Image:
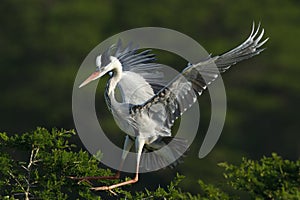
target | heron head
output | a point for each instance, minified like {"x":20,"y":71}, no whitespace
{"x":104,"y":64}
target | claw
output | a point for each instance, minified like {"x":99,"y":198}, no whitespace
{"x":85,"y":180}
{"x":104,"y":188}
{"x":72,"y":177}
{"x":80,"y":179}
{"x":113,"y":192}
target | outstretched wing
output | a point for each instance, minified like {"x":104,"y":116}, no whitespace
{"x":179,"y":94}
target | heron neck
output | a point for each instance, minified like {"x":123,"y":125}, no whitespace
{"x":117,"y":75}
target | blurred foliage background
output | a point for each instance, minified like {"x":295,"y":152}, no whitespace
{"x":43,"y":43}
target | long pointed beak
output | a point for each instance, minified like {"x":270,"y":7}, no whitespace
{"x":91,"y":78}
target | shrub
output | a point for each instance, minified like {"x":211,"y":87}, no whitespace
{"x":50,"y":158}
{"x":269,"y":178}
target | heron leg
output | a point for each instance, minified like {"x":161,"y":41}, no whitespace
{"x":139,"y":144}
{"x":127,"y":146}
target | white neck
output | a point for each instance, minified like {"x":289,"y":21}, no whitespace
{"x":117,"y":75}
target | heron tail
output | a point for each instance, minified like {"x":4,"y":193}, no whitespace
{"x":166,"y":151}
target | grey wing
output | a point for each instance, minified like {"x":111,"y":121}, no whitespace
{"x":203,"y":73}
{"x":179,"y":95}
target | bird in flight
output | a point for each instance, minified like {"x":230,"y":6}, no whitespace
{"x":149,"y":107}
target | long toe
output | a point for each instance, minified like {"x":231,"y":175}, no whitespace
{"x":100,"y":188}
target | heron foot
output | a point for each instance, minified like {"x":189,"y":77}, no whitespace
{"x":100,"y":188}
{"x":80,"y":179}
{"x":115,"y":185}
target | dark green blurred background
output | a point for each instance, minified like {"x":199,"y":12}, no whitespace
{"x":43,"y":42}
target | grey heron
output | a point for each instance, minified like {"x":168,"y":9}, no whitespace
{"x":149,"y":107}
